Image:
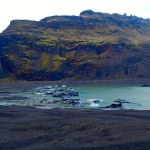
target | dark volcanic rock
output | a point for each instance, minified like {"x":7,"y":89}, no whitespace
{"x":146,"y":85}
{"x":37,"y":129}
{"x":93,"y":45}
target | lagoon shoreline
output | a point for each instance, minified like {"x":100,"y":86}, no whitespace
{"x":39,"y":129}
{"x":78,"y":82}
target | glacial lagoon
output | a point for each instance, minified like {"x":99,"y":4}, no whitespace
{"x":24,"y":94}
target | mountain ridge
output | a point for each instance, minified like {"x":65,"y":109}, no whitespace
{"x":90,"y":46}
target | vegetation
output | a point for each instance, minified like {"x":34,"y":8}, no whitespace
{"x":92,"y":45}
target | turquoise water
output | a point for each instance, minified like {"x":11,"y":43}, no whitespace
{"x":135,"y":94}
{"x":28,"y":96}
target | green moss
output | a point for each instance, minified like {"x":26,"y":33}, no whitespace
{"x":57,"y":62}
{"x":58,"y":58}
{"x":56,"y":65}
{"x":24,"y":47}
{"x":45,"y":60}
{"x":10,"y":56}
{"x":26,"y":66}
{"x":38,"y":46}
{"x":70,"y":55}
{"x":31,"y":53}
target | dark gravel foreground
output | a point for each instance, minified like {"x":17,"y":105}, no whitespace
{"x":27,"y":128}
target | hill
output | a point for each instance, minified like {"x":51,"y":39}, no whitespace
{"x":90,"y":46}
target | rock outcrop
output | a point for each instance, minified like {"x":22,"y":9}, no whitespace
{"x":90,"y":46}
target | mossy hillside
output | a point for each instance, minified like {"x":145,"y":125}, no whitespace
{"x":96,"y":27}
{"x":45,"y":61}
{"x":82,"y":61}
{"x":2,"y":74}
{"x":16,"y":65}
{"x":92,"y":46}
{"x":31,"y":54}
{"x":82,"y":64}
{"x":57,"y":62}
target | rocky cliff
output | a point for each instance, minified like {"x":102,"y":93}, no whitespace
{"x":90,"y":46}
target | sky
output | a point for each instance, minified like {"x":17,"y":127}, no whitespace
{"x":38,"y":9}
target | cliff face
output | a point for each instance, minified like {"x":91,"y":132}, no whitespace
{"x":90,"y":46}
